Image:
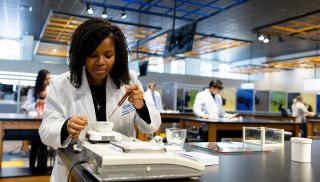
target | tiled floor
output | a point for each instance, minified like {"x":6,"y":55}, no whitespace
{"x":13,"y":155}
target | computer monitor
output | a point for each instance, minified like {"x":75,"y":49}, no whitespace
{"x":180,"y":40}
{"x":143,"y":67}
{"x":6,"y":88}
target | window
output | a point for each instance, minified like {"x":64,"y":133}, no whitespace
{"x":206,"y":69}
{"x":178,"y":67}
{"x":10,"y":49}
{"x":156,"y":64}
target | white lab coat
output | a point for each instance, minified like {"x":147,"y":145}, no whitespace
{"x":293,"y":109}
{"x":205,"y":104}
{"x":65,"y":101}
{"x":157,"y":99}
{"x":300,"y":111}
{"x":30,"y":103}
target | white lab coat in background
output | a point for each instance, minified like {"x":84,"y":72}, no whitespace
{"x":293,"y":108}
{"x":30,"y":103}
{"x":65,"y":101}
{"x":205,"y":104}
{"x":300,"y":111}
{"x":157,"y":99}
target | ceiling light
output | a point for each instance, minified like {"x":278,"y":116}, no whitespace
{"x":266,"y":40}
{"x":104,"y":14}
{"x":89,"y":9}
{"x":260,"y":37}
{"x":123,"y":14}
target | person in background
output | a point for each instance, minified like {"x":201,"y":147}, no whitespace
{"x":98,"y":78}
{"x":208,"y":103}
{"x":310,"y":109}
{"x":35,"y":102}
{"x":186,"y":99}
{"x":36,"y":96}
{"x":153,"y":96}
{"x":293,"y":106}
{"x":301,"y":112}
{"x":283,"y":110}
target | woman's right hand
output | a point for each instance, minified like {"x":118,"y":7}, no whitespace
{"x":76,"y":124}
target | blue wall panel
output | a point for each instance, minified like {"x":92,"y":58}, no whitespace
{"x":245,"y":100}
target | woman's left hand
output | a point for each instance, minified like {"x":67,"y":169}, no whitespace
{"x":135,"y":96}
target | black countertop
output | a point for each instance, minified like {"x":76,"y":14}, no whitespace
{"x":246,"y":120}
{"x":263,"y":167}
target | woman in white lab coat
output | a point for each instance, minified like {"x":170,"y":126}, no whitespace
{"x":35,"y":104}
{"x":36,"y":96}
{"x":208,"y":103}
{"x":301,"y":111}
{"x":97,"y":80}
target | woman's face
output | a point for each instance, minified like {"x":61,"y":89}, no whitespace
{"x":47,"y":80}
{"x":99,"y":64}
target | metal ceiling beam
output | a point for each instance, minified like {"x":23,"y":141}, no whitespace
{"x":150,"y":6}
{"x":230,"y":38}
{"x":142,"y":41}
{"x":116,"y":7}
{"x":197,"y":9}
{"x":233,"y":4}
{"x":200,"y":4}
{"x":178,"y":5}
{"x":255,"y":30}
{"x":166,"y":7}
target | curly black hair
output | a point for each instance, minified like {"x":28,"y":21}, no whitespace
{"x":86,"y":38}
{"x":39,"y":86}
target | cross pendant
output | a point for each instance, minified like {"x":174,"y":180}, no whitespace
{"x":98,"y":107}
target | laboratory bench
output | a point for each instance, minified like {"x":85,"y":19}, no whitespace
{"x":313,"y":127}
{"x":236,"y":125}
{"x":18,"y":127}
{"x":275,"y":166}
{"x":226,"y":125}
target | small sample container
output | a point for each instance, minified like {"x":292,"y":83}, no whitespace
{"x":301,"y":149}
{"x":265,"y":137}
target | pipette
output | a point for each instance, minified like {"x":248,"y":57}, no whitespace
{"x":119,"y":104}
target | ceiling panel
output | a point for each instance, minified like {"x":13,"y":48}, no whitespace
{"x":60,"y":27}
{"x":236,"y":22}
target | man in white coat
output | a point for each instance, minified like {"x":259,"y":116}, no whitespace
{"x":208,"y":103}
{"x":98,"y":79}
{"x":153,"y":96}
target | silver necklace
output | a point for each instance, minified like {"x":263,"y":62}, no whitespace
{"x":98,"y":103}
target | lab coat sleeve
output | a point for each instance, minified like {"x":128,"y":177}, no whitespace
{"x":198,"y":105}
{"x":53,"y":120}
{"x":160,"y":102}
{"x":221,"y":111}
{"x":154,"y":114}
{"x":30,"y":104}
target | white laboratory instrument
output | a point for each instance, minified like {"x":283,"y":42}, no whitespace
{"x":108,"y":162}
{"x":98,"y":136}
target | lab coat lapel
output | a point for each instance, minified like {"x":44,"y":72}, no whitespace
{"x":84,"y":94}
{"x":211,"y":103}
